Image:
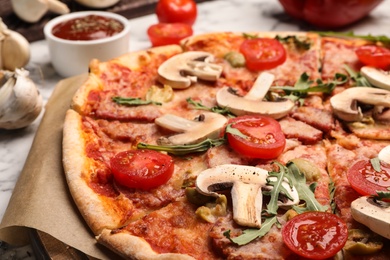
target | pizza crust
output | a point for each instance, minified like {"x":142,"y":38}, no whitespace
{"x":134,"y":247}
{"x":75,"y":161}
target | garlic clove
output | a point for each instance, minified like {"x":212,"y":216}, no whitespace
{"x":14,"y":49}
{"x":33,"y":10}
{"x":97,"y":3}
{"x":20,"y":100}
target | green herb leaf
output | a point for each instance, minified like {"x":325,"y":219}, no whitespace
{"x":360,"y":81}
{"x":303,"y":44}
{"x":184,"y":149}
{"x":216,"y":109}
{"x":251,"y":234}
{"x":380,"y":38}
{"x":129,"y":101}
{"x":376,"y":164}
{"x":382,"y":195}
{"x":234,"y":131}
{"x":305,"y":193}
{"x":250,"y":36}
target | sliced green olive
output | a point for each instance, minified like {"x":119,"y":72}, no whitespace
{"x":211,"y":211}
{"x":309,"y":169}
{"x":236,"y":59}
{"x":361,"y":242}
{"x":196,"y":198}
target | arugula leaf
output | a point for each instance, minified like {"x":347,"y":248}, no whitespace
{"x":360,"y":80}
{"x":235,"y":131}
{"x":380,"y":38}
{"x":250,"y":36}
{"x":299,"y":44}
{"x":305,"y":193}
{"x":251,"y":234}
{"x":382,"y":195}
{"x":332,"y":190}
{"x":130,"y":101}
{"x":184,"y":149}
{"x":216,"y":109}
{"x":376,"y":164}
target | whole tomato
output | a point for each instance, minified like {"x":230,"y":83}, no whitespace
{"x":176,"y":11}
{"x":329,"y":13}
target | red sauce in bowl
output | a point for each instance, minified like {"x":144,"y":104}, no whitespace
{"x":90,"y":27}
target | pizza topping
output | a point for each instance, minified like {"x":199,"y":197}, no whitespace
{"x":212,"y":210}
{"x":367,"y":177}
{"x":375,"y":56}
{"x":263,"y":53}
{"x":182,"y":69}
{"x":241,"y":106}
{"x":235,"y":59}
{"x":159,"y":95}
{"x":384,"y":154}
{"x":376,"y":77}
{"x":362,"y":242}
{"x":374,"y":215}
{"x":315,"y":235}
{"x":246,"y":183}
{"x":130,"y":101}
{"x":206,"y":125}
{"x":256,"y":136}
{"x":142,"y":169}
{"x":345,"y":104}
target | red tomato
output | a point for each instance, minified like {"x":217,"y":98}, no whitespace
{"x":176,"y":11}
{"x":365,"y":180}
{"x":263,"y":53}
{"x":168,"y":33}
{"x":374,"y":56}
{"x":265,"y":137}
{"x":329,"y":13}
{"x":142,"y":169}
{"x":315,"y":234}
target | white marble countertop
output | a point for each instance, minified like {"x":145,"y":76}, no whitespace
{"x":228,"y":15}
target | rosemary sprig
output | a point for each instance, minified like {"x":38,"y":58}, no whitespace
{"x":184,"y":149}
{"x":130,"y":101}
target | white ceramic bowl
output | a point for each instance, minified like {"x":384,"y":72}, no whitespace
{"x":72,"y":57}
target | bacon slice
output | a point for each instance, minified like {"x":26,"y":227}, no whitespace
{"x":303,"y":132}
{"x":318,"y":118}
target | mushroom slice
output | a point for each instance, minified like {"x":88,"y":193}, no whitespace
{"x":243,"y":106}
{"x":384,"y":154}
{"x":260,"y":87}
{"x":206,"y":125}
{"x":372,"y":214}
{"x":377,"y":77}
{"x":246,"y":183}
{"x":182,"y":69}
{"x":345,"y":104}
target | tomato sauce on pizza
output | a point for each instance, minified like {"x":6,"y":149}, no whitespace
{"x":232,"y":146}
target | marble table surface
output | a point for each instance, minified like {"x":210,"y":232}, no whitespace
{"x":227,"y":15}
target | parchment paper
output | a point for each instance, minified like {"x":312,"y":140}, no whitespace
{"x":41,"y":199}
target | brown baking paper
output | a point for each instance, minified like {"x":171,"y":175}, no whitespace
{"x":41,"y":199}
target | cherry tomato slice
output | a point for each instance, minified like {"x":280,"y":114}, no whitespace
{"x":142,"y":169}
{"x":265,"y":139}
{"x":375,"y":56}
{"x":315,"y":234}
{"x":168,"y":33}
{"x":176,"y":11}
{"x":365,"y":180}
{"x":263,"y":53}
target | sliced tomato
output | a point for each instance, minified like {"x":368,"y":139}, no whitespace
{"x":315,"y":234}
{"x":375,"y":56}
{"x":176,"y":11}
{"x":263,"y":53}
{"x":142,"y":169}
{"x":365,"y":180}
{"x":264,"y":137}
{"x":168,"y":33}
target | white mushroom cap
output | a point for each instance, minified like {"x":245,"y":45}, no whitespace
{"x":243,"y":106}
{"x":373,"y":215}
{"x":384,"y":154}
{"x":345,"y":105}
{"x":376,"y":77}
{"x":182,"y":69}
{"x":191,"y":131}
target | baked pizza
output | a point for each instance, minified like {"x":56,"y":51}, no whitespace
{"x":270,"y":145}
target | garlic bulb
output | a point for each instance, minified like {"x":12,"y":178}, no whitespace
{"x":20,"y":101}
{"x":14,"y":49}
{"x":33,"y":10}
{"x":97,"y":3}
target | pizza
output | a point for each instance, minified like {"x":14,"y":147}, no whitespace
{"x":258,"y":145}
